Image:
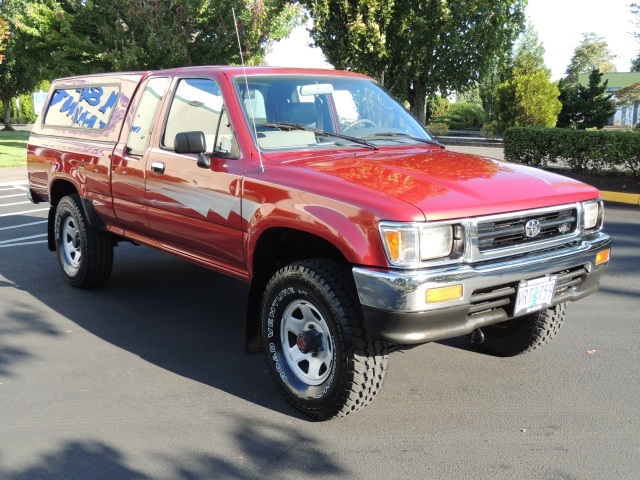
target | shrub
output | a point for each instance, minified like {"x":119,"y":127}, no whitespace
{"x":489,"y":130}
{"x":438,"y":129}
{"x":25,"y":113}
{"x":453,"y":122}
{"x":472,"y":114}
{"x":591,"y":151}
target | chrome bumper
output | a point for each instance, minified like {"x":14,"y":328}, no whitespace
{"x":394,"y":300}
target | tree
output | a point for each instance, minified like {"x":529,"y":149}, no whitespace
{"x":4,"y":35}
{"x":592,"y":53}
{"x":628,"y":95}
{"x":528,"y":97}
{"x":16,"y":72}
{"x":80,"y":36}
{"x":571,"y":105}
{"x":586,"y":106}
{"x":416,"y":48}
{"x":635,"y":10}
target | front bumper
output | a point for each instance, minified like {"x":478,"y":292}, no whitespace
{"x":394,"y":303}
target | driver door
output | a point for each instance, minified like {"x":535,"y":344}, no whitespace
{"x":192,"y":209}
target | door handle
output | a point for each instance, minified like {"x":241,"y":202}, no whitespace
{"x":157,"y":167}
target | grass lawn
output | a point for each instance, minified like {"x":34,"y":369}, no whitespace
{"x":13,"y":148}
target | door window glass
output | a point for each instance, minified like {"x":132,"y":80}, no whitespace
{"x":145,"y":114}
{"x":196,"y":107}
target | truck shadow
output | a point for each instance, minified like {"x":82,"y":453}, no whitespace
{"x":181,"y":317}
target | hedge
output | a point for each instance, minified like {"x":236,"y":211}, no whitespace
{"x":454,"y":123}
{"x":594,"y":151}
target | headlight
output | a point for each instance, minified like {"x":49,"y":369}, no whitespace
{"x":593,"y":212}
{"x":409,"y":244}
{"x":436,"y":242}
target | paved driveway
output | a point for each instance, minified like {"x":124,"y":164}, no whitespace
{"x":146,"y":378}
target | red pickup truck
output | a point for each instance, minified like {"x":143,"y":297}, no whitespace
{"x":358,"y":232}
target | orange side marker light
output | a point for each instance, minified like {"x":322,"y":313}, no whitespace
{"x":603,"y":256}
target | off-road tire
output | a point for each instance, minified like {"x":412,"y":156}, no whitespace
{"x":85,"y":254}
{"x":349,"y":368}
{"x":524,"y":334}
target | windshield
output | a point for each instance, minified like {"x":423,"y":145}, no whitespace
{"x":353,"y":108}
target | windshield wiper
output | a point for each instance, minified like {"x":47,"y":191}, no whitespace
{"x":298,"y":126}
{"x":405,"y":135}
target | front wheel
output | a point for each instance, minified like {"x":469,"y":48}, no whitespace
{"x":524,"y":334}
{"x":315,"y":343}
{"x":85,"y":254}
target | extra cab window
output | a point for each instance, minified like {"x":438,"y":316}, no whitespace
{"x":88,"y":107}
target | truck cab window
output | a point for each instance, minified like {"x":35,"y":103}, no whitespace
{"x":196,"y":106}
{"x":143,"y":120}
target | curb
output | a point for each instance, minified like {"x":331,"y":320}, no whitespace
{"x":617,"y":197}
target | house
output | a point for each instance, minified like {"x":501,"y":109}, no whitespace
{"x":627,"y":115}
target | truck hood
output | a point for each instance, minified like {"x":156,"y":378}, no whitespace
{"x":446,"y":185}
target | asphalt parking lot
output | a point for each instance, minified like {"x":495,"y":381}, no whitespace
{"x":146,"y":378}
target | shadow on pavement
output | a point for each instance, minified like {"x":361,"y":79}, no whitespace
{"x":181,"y":317}
{"x":263,"y":450}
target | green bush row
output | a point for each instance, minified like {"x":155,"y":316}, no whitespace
{"x":593,"y":151}
{"x":453,"y":122}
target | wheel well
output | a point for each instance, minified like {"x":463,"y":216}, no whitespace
{"x":280,"y":246}
{"x":276,"y":248}
{"x":59,"y":189}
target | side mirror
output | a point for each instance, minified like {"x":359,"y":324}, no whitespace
{"x":193,"y":142}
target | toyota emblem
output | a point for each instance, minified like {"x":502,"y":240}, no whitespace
{"x":532,"y":228}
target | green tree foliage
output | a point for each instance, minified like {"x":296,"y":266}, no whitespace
{"x":586,"y":106}
{"x":4,"y":35}
{"x":416,"y":48}
{"x":16,"y":72}
{"x":628,"y":95}
{"x":437,"y":106}
{"x":592,"y":53}
{"x":489,"y":85}
{"x":635,"y":11}
{"x":471,"y":95}
{"x":86,"y":36}
{"x":528,"y":97}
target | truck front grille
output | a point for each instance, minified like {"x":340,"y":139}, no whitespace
{"x":511,"y":232}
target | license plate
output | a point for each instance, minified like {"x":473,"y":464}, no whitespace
{"x":534,"y":295}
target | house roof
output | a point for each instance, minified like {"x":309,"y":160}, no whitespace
{"x":617,"y":80}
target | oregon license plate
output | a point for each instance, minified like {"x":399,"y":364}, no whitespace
{"x":535,"y":294}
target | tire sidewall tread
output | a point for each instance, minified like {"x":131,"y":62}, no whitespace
{"x":359,"y":364}
{"x":96,"y":260}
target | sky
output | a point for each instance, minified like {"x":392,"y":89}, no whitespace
{"x":559,"y":23}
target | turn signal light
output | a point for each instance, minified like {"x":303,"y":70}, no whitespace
{"x":603,"y":256}
{"x":443,"y":294}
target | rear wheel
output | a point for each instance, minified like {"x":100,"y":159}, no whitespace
{"x":316,"y":347}
{"x":524,"y":334}
{"x":85,"y":254}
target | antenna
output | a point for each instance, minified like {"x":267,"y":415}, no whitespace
{"x":246,"y":82}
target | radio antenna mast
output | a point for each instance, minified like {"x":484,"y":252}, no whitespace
{"x":246,"y":83}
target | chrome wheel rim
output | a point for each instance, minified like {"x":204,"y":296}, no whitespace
{"x":71,"y":246}
{"x":313,"y":368}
